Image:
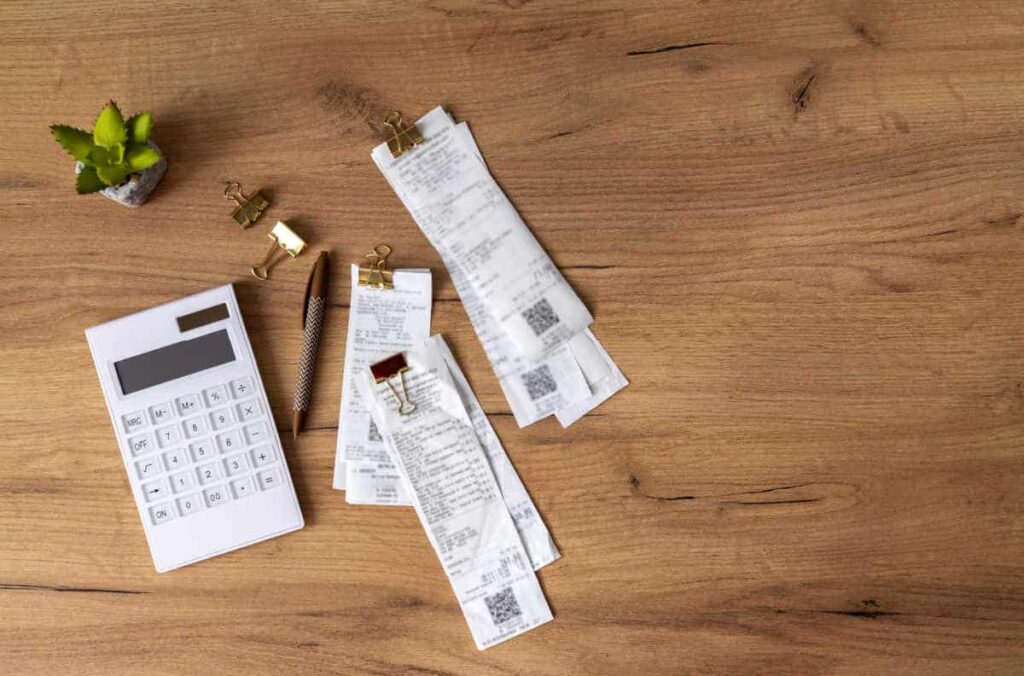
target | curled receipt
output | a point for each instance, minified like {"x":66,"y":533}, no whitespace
{"x":466,"y":512}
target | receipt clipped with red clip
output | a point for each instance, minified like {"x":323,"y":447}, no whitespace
{"x":468,"y":497}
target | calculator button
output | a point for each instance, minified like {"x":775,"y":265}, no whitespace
{"x":202,"y":449}
{"x":208,"y":473}
{"x":269,"y":478}
{"x":221,"y":418}
{"x":242,"y":487}
{"x":256,"y":433}
{"x":242,"y":387}
{"x":229,"y":441}
{"x":161,"y":413}
{"x":175,"y":459}
{"x":194,"y":427}
{"x":141,"y":444}
{"x":264,"y":455}
{"x":248,"y":410}
{"x":133,"y":422}
{"x":168,"y":436}
{"x":235,"y":464}
{"x":182,"y":481}
{"x":215,"y":496}
{"x":189,"y":504}
{"x":215,"y":396}
{"x":147,"y":469}
{"x":188,"y":404}
{"x":154,"y":490}
{"x":161,"y":513}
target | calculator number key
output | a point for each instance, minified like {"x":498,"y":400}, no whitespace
{"x":249,"y":410}
{"x":235,"y":464}
{"x":269,"y":478}
{"x":133,"y":422}
{"x":202,"y":449}
{"x":242,"y":387}
{"x":175,"y":459}
{"x":189,"y":504}
{"x":215,"y":396}
{"x":141,"y":444}
{"x":168,"y":436}
{"x":188,"y":404}
{"x":182,"y":481}
{"x":208,"y":474}
{"x":161,"y":513}
{"x":221,"y":418}
{"x":242,"y":488}
{"x":216,"y":496}
{"x":264,"y":455}
{"x":194,"y":427}
{"x":161,"y":413}
{"x":256,"y":433}
{"x":147,"y":469}
{"x":229,"y":441}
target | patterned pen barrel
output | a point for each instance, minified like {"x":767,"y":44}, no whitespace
{"x":312,"y":321}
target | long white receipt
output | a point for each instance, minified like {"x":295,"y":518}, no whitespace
{"x":530,"y":322}
{"x":458,"y":500}
{"x":381,"y":322}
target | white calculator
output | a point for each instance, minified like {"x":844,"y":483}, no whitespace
{"x":196,"y":434}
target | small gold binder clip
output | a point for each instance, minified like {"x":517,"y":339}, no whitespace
{"x":374,"y":272}
{"x":403,"y":136}
{"x":386,"y":369}
{"x":286,"y":242}
{"x":249,"y":209}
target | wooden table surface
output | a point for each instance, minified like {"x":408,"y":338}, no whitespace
{"x":798,"y":226}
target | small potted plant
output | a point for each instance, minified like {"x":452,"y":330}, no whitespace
{"x":117,"y":160}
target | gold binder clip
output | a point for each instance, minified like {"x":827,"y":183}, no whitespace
{"x":386,"y":369}
{"x":249,"y":209}
{"x":374,"y":272}
{"x":286,"y":242}
{"x":403,"y":136}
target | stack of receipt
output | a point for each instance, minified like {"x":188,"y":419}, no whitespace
{"x":473,"y":506}
{"x":533,"y":327}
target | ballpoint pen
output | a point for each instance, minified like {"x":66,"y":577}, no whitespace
{"x":313,"y":316}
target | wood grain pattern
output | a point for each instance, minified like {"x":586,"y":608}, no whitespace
{"x":798,"y":224}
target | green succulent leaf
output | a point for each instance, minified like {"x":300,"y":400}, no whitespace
{"x":88,"y":181}
{"x":141,"y":157}
{"x":78,"y":143}
{"x":98,"y":157}
{"x":139,"y":126}
{"x":113,"y":175}
{"x":109,"y":129}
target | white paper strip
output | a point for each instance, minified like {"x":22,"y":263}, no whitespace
{"x":447,"y":189}
{"x":458,"y":499}
{"x":381,"y":322}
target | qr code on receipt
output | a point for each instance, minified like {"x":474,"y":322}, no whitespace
{"x":539,"y":382}
{"x":541,"y":316}
{"x":503,"y":606}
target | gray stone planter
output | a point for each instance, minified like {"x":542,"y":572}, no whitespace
{"x":136,"y":190}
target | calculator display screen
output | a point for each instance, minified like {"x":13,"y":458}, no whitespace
{"x":174,"y":361}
